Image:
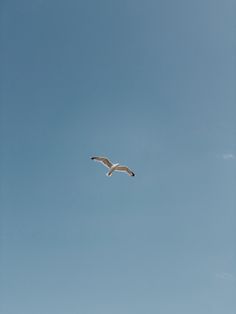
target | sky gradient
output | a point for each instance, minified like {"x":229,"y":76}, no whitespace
{"x":150,"y":84}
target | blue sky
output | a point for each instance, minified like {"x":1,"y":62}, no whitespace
{"x":150,"y":84}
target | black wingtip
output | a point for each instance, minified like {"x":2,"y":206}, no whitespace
{"x":92,"y":158}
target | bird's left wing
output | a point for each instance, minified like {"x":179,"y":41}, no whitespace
{"x":104,"y":160}
{"x":125,"y":169}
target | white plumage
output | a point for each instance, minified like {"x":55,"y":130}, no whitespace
{"x":113,"y":167}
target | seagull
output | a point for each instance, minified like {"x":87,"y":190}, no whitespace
{"x":113,"y":167}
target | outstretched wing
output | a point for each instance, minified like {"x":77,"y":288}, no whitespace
{"x":104,"y":160}
{"x":125,"y":169}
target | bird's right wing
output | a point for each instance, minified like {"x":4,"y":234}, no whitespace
{"x":125,"y":169}
{"x":104,"y":160}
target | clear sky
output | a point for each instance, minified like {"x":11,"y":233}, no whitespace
{"x":150,"y":84}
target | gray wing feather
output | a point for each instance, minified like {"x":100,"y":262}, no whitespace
{"x":126,"y":169}
{"x":104,"y":160}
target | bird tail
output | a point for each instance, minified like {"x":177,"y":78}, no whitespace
{"x":109,"y":174}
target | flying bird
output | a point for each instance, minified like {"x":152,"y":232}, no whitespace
{"x":113,"y":167}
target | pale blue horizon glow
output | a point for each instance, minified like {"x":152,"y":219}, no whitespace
{"x":150,"y":84}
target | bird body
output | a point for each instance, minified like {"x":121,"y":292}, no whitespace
{"x":113,"y":167}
